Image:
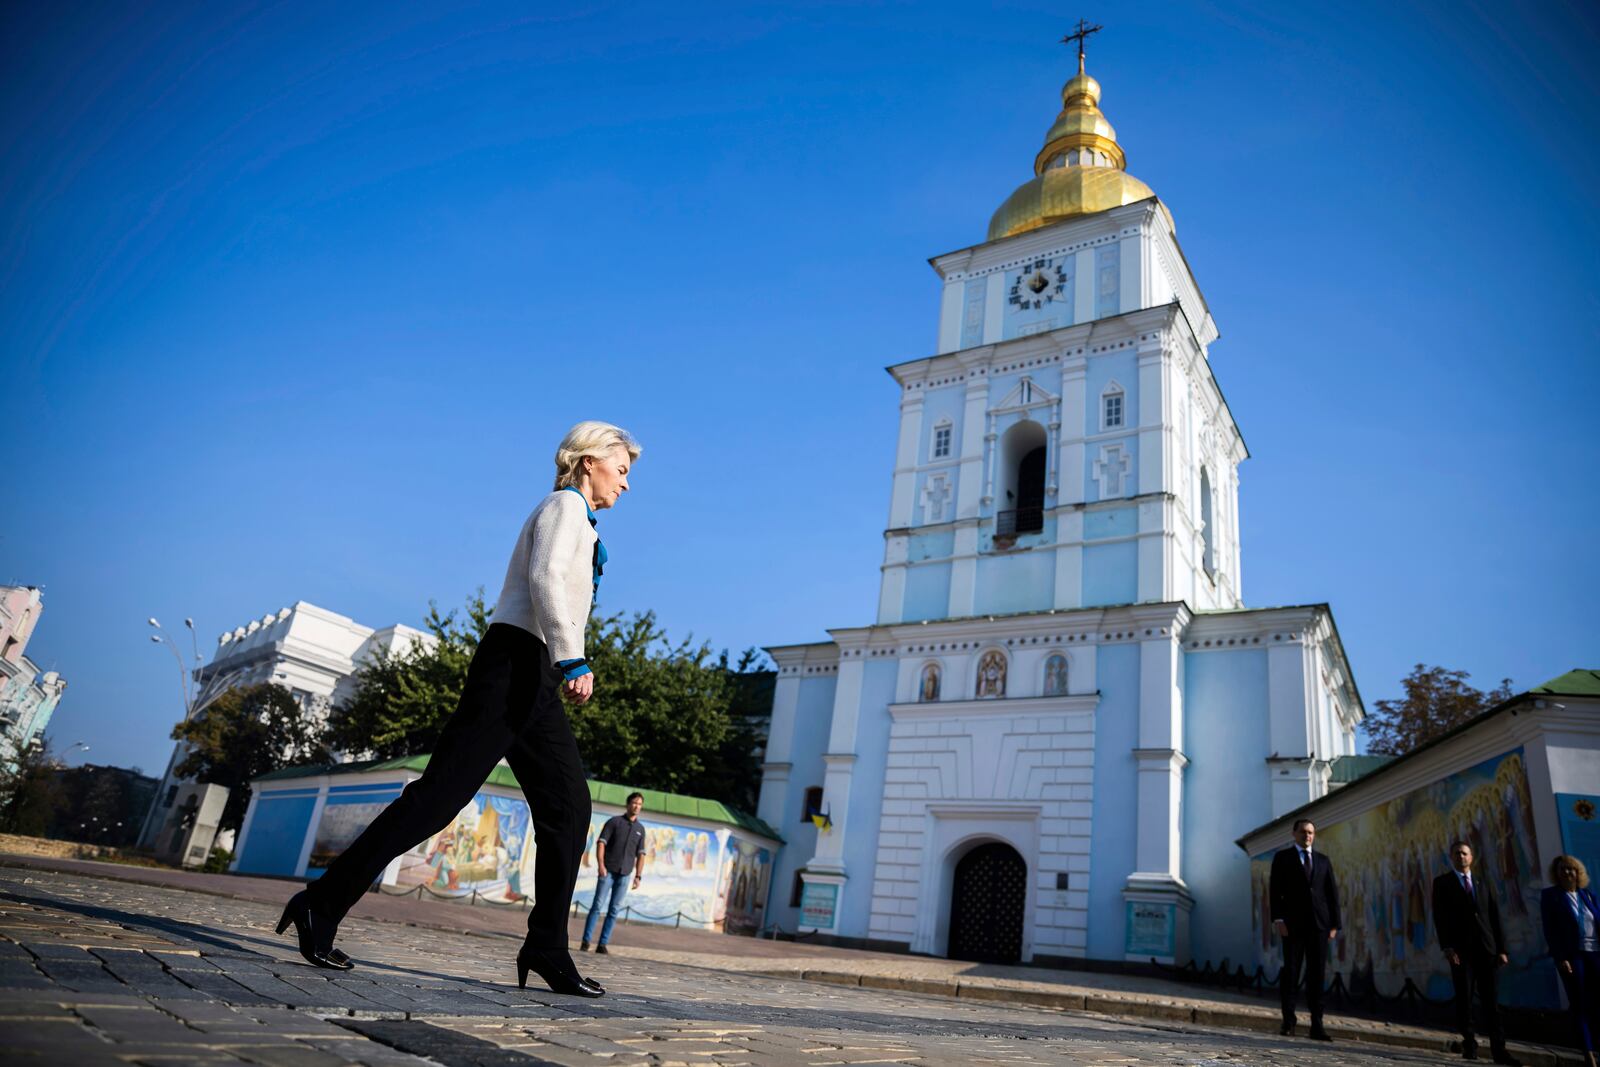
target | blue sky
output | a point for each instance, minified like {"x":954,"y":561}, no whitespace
{"x":295,"y":301}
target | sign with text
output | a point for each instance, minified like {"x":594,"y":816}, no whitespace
{"x":1152,"y":928}
{"x":818,"y":903}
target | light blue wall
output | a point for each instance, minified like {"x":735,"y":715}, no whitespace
{"x":1111,"y":522}
{"x":812,"y":720}
{"x":1110,"y":574}
{"x":927,"y":593}
{"x":1225,"y":794}
{"x":1025,"y":581}
{"x":1116,"y":796}
{"x":277,"y":832}
{"x":866,"y":795}
{"x":938,"y":544}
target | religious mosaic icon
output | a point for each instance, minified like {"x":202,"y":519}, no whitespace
{"x":1055,"y":676}
{"x":930,"y":684}
{"x":1038,"y":284}
{"x":992,"y":674}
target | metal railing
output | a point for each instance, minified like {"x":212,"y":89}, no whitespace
{"x":1017,"y":521}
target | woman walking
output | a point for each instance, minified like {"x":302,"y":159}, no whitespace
{"x":531,"y":655}
{"x":1571,"y":917}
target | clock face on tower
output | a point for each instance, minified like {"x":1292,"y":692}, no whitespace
{"x":1037,"y":284}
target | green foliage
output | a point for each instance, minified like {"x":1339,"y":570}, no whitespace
{"x":29,"y":791}
{"x":1436,"y":702}
{"x":663,"y":716}
{"x":244,"y":733}
{"x":217,"y":862}
{"x":402,"y":700}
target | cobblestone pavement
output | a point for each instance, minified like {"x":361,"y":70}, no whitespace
{"x":93,"y":971}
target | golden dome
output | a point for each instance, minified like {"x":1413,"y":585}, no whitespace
{"x":1078,"y":171}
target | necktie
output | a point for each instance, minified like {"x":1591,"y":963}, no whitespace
{"x":1305,"y":856}
{"x":1466,"y":880}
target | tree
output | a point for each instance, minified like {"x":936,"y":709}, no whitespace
{"x":243,"y":734}
{"x":29,"y":793}
{"x":1436,"y":701}
{"x":402,"y":699}
{"x":664,"y":716}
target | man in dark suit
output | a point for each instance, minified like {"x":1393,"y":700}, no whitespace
{"x":1467,"y":922}
{"x":1305,"y":912}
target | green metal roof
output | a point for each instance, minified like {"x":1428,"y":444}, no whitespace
{"x":601,"y":792}
{"x":1578,"y":683}
{"x":1346,"y":769}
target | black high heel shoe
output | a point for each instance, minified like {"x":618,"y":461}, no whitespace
{"x":555,"y":966}
{"x":315,"y":933}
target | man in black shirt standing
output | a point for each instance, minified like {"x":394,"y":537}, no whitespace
{"x":618,"y":851}
{"x":1305,"y":912}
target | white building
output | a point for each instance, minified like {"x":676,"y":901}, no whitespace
{"x":1063,"y":716}
{"x":28,"y":696}
{"x":311,"y":651}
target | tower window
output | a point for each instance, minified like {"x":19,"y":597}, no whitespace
{"x":813,"y":804}
{"x":1113,"y":418}
{"x":1209,"y":557}
{"x":941,"y":441}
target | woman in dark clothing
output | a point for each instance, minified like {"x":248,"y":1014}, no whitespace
{"x":531,"y":656}
{"x":1571,"y":918}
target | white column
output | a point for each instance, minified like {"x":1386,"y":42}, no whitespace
{"x":907,"y":460}
{"x":771,"y":805}
{"x":1073,"y":415}
{"x":950,"y":316}
{"x":825,"y":871}
{"x":1156,"y":887}
{"x":994,"y":308}
{"x":974,"y":423}
{"x":1069,"y":560}
{"x":1288,"y":720}
{"x":1133,"y":294}
{"x":311,"y":830}
{"x":892,"y":588}
{"x":1083,"y":287}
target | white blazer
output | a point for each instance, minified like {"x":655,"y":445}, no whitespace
{"x":549,"y":586}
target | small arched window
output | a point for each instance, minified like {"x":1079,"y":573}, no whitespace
{"x":1055,"y":676}
{"x":1207,"y":532}
{"x":928,"y":688}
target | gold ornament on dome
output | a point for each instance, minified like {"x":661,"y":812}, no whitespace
{"x":1080,"y":169}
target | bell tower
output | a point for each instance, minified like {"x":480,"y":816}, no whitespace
{"x":1066,"y":445}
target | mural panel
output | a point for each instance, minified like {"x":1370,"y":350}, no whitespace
{"x":343,"y":819}
{"x":487,"y":851}
{"x":1385,"y":861}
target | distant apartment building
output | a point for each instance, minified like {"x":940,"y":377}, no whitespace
{"x":28,"y":696}
{"x":310,"y":651}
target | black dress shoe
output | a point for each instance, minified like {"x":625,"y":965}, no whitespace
{"x":555,"y":966}
{"x":1319,"y":1034}
{"x":601,"y":950}
{"x":583,"y":946}
{"x":315,"y":932}
{"x":1286,"y":1029}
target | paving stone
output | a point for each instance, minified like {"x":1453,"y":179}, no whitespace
{"x":81,"y":977}
{"x":432,"y":1042}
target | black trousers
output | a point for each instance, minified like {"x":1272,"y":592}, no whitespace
{"x":511,"y":708}
{"x":1311,"y":950}
{"x":1478,"y":970}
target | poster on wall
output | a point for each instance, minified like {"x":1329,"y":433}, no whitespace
{"x":343,"y":819}
{"x":818,"y":903}
{"x":486,"y":851}
{"x":1580,"y":828}
{"x":742,"y":890}
{"x":1385,"y":860}
{"x":1152,"y":928}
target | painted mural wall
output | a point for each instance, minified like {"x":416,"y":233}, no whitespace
{"x":1385,"y":861}
{"x":711,"y":878}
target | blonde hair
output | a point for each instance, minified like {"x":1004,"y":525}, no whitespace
{"x":589,"y":438}
{"x":1568,"y":861}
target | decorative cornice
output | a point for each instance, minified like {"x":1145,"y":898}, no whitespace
{"x":1076,"y":704}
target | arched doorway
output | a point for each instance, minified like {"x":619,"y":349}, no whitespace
{"x":986,"y":904}
{"x":1023,"y":454}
